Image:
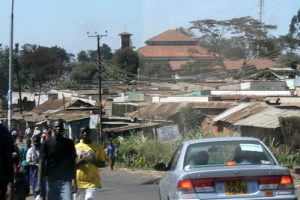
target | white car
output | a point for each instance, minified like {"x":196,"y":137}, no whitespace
{"x":224,"y":168}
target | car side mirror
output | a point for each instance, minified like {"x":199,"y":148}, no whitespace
{"x":160,"y":167}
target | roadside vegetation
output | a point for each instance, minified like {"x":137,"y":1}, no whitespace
{"x":139,"y":151}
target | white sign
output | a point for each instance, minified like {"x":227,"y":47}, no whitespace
{"x":93,"y":121}
{"x":168,"y":133}
{"x":251,"y":147}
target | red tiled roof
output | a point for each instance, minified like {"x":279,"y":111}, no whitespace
{"x":175,"y":51}
{"x":176,"y":65}
{"x":171,"y":35}
{"x":125,"y":33}
{"x":260,"y":63}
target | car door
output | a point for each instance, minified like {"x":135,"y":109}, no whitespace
{"x":168,"y":180}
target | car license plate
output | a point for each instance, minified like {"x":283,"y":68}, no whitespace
{"x":236,"y":187}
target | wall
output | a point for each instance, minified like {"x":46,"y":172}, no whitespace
{"x":252,"y":92}
{"x":262,"y":133}
{"x":268,"y":85}
{"x":30,"y":97}
{"x":292,"y":83}
{"x":219,"y":129}
{"x":256,"y":85}
{"x":180,"y":99}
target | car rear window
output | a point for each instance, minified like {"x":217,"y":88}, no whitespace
{"x":227,"y":153}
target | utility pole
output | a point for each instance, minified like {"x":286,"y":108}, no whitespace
{"x":99,"y":36}
{"x":9,"y":93}
{"x":261,"y":10}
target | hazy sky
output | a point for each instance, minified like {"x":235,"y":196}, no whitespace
{"x":65,"y":23}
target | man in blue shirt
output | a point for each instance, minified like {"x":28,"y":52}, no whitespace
{"x":111,"y":153}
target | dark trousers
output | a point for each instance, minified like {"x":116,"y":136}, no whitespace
{"x":3,"y":189}
{"x":111,"y":162}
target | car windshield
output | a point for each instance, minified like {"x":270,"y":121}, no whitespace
{"x":227,"y":153}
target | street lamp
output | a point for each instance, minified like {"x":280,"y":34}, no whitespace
{"x":99,"y":36}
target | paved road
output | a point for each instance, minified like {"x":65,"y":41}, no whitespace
{"x":129,"y":185}
{"x":123,"y":184}
{"x":134,"y":185}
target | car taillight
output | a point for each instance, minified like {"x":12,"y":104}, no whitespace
{"x":286,"y":180}
{"x":185,"y":185}
{"x":275,"y":182}
{"x":197,"y":185}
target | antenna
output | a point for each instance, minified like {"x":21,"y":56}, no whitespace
{"x":261,"y":10}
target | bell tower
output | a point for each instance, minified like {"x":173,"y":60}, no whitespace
{"x":125,"y":40}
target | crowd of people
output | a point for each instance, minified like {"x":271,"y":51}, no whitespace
{"x":50,"y":165}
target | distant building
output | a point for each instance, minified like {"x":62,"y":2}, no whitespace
{"x":173,"y":49}
{"x":235,"y":67}
{"x":125,"y":40}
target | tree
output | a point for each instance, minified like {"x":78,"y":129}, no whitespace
{"x":83,"y":56}
{"x":289,"y":60}
{"x":84,"y":72}
{"x":190,"y":118}
{"x":126,"y":59}
{"x":157,"y":70}
{"x":185,"y":31}
{"x":250,"y":34}
{"x":106,"y":53}
{"x":231,"y":49}
{"x":39,"y":64}
{"x":4,"y":61}
{"x":211,"y":31}
{"x":246,"y":37}
{"x":292,"y":39}
{"x":290,"y":44}
{"x":61,"y":57}
{"x":92,"y":55}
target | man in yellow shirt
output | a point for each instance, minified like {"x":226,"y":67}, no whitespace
{"x":90,"y":156}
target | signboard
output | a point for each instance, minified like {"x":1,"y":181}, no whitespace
{"x":168,"y":133}
{"x":93,"y":121}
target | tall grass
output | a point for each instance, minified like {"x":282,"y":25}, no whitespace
{"x":140,"y":151}
{"x":284,"y":154}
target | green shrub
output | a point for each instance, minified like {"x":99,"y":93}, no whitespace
{"x":139,"y":151}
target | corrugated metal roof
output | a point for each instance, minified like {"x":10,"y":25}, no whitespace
{"x":213,"y":105}
{"x":162,"y":111}
{"x":158,"y":111}
{"x":70,"y":116}
{"x":241,"y":111}
{"x":130,"y":127}
{"x":56,"y":105}
{"x":268,"y":118}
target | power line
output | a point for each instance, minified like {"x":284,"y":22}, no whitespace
{"x":99,"y":36}
{"x":228,"y":8}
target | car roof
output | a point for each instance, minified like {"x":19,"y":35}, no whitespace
{"x":221,"y":139}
